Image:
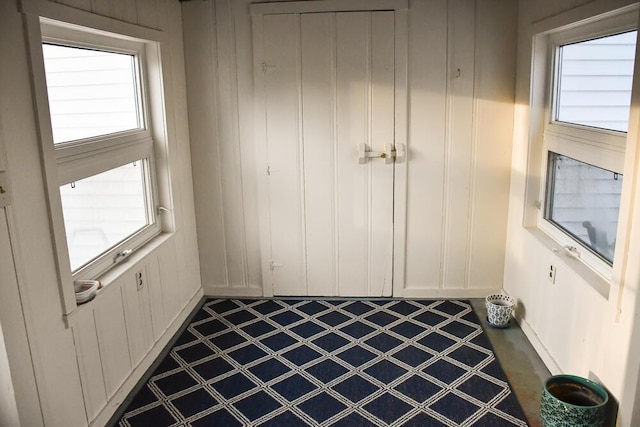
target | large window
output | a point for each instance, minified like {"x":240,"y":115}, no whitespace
{"x":102,"y":144}
{"x":590,"y":82}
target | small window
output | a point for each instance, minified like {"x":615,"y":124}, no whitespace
{"x":102,"y":144}
{"x":594,"y":79}
{"x":584,"y":201}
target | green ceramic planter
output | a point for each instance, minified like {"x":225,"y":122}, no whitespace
{"x":571,"y":401}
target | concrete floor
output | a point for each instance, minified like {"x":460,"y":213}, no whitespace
{"x":521,"y":363}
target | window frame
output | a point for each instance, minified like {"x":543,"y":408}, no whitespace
{"x":85,"y":157}
{"x":599,"y":147}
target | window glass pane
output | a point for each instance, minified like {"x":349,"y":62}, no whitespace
{"x":91,"y":92}
{"x":595,"y":77}
{"x":584,"y":201}
{"x":102,"y":210}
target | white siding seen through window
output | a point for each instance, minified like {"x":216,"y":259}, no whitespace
{"x":91,"y":92}
{"x":594,"y":82}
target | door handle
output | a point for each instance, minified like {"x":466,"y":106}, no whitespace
{"x":389,"y":154}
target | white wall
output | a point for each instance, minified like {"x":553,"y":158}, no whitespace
{"x":575,"y":328}
{"x":459,"y":145}
{"x":50,"y":385}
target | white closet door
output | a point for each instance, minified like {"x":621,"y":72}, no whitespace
{"x":329,"y":88}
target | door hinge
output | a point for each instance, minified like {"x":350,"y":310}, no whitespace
{"x":266,"y":67}
{"x":274,"y":265}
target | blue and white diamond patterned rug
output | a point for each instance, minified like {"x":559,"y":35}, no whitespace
{"x":273,"y":362}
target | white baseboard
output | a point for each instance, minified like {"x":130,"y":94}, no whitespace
{"x":447,"y":293}
{"x":539,"y":347}
{"x":121,"y":394}
{"x":229,"y":291}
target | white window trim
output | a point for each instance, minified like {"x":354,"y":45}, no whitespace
{"x":598,"y":147}
{"x":74,"y":160}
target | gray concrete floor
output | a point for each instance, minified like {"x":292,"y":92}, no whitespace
{"x":522,"y":365}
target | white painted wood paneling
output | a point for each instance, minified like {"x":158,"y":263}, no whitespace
{"x":172,"y":292}
{"x":286,"y":194}
{"x":493,"y":130}
{"x":458,"y":145}
{"x":609,"y":350}
{"x":200,"y":39}
{"x":460,"y":142}
{"x":16,"y":375}
{"x":329,"y":90}
{"x":382,"y":133}
{"x":56,"y":353}
{"x":156,"y":298}
{"x":141,"y":12}
{"x":427,"y":127}
{"x":230,"y":156}
{"x":85,"y":337}
{"x":137,"y":313}
{"x":318,"y":44}
{"x":352,"y":129}
{"x":111,"y":331}
{"x":147,"y":12}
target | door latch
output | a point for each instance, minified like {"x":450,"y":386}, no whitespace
{"x":390,"y":153}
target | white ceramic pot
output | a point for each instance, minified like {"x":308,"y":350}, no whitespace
{"x":499,"y":309}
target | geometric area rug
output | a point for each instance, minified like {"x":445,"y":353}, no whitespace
{"x":328,"y":362}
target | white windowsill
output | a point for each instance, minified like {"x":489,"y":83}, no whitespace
{"x":121,"y":269}
{"x":593,"y":279}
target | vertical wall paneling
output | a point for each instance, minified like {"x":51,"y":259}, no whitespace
{"x":401,"y":140}
{"x":230,"y":165}
{"x":281,"y":67}
{"x":170,"y":282}
{"x":318,"y":80}
{"x":460,"y":140}
{"x":178,"y":138}
{"x":50,"y":341}
{"x":494,"y":111}
{"x":382,"y":124}
{"x":19,"y":402}
{"x":137,"y":314}
{"x":328,"y":92}
{"x":85,"y":338}
{"x":246,"y":133}
{"x":202,"y":84}
{"x":124,"y":10}
{"x":426,"y":146}
{"x":144,"y":301}
{"x":262,"y":161}
{"x":93,"y":355}
{"x":111,"y":331}
{"x":455,"y":131}
{"x":147,"y":13}
{"x":365,"y":105}
{"x":156,"y":298}
{"x":352,"y":129}
{"x":101,"y":7}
